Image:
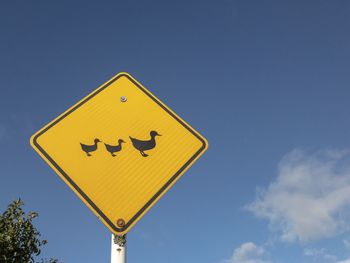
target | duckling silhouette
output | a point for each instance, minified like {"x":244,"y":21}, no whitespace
{"x":145,"y":145}
{"x":90,"y":148}
{"x":114,"y":148}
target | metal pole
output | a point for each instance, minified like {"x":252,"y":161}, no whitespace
{"x":118,"y":253}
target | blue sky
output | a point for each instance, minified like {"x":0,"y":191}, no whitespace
{"x":266,"y":82}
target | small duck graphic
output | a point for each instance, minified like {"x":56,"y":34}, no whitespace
{"x":145,"y":145}
{"x":114,"y":148}
{"x":90,"y":148}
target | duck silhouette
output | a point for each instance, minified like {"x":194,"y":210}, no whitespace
{"x":145,"y":145}
{"x":90,"y":148}
{"x":114,"y":148}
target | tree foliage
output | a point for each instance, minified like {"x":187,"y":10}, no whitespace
{"x":19,"y":240}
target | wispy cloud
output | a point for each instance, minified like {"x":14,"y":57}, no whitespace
{"x":344,"y":261}
{"x":347,"y":243}
{"x":247,"y":253}
{"x":308,"y":200}
{"x":319,"y":255}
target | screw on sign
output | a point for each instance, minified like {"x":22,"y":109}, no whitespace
{"x":120,"y":132}
{"x":120,"y":222}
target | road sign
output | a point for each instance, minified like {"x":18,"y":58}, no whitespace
{"x":119,"y":149}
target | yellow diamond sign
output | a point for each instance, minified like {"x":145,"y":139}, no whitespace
{"x":119,"y":149}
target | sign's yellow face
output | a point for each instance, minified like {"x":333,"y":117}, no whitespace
{"x":119,"y":149}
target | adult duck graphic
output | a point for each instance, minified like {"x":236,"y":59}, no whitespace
{"x":114,"y":148}
{"x":143,"y":146}
{"x":90,"y":148}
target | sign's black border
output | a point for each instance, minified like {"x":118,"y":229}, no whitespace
{"x":76,"y":187}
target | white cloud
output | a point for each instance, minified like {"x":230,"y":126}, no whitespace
{"x":308,"y":200}
{"x":344,"y":261}
{"x":247,"y":253}
{"x":347,"y":243}
{"x":319,"y":254}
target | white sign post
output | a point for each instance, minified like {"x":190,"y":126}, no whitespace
{"x":118,"y":251}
